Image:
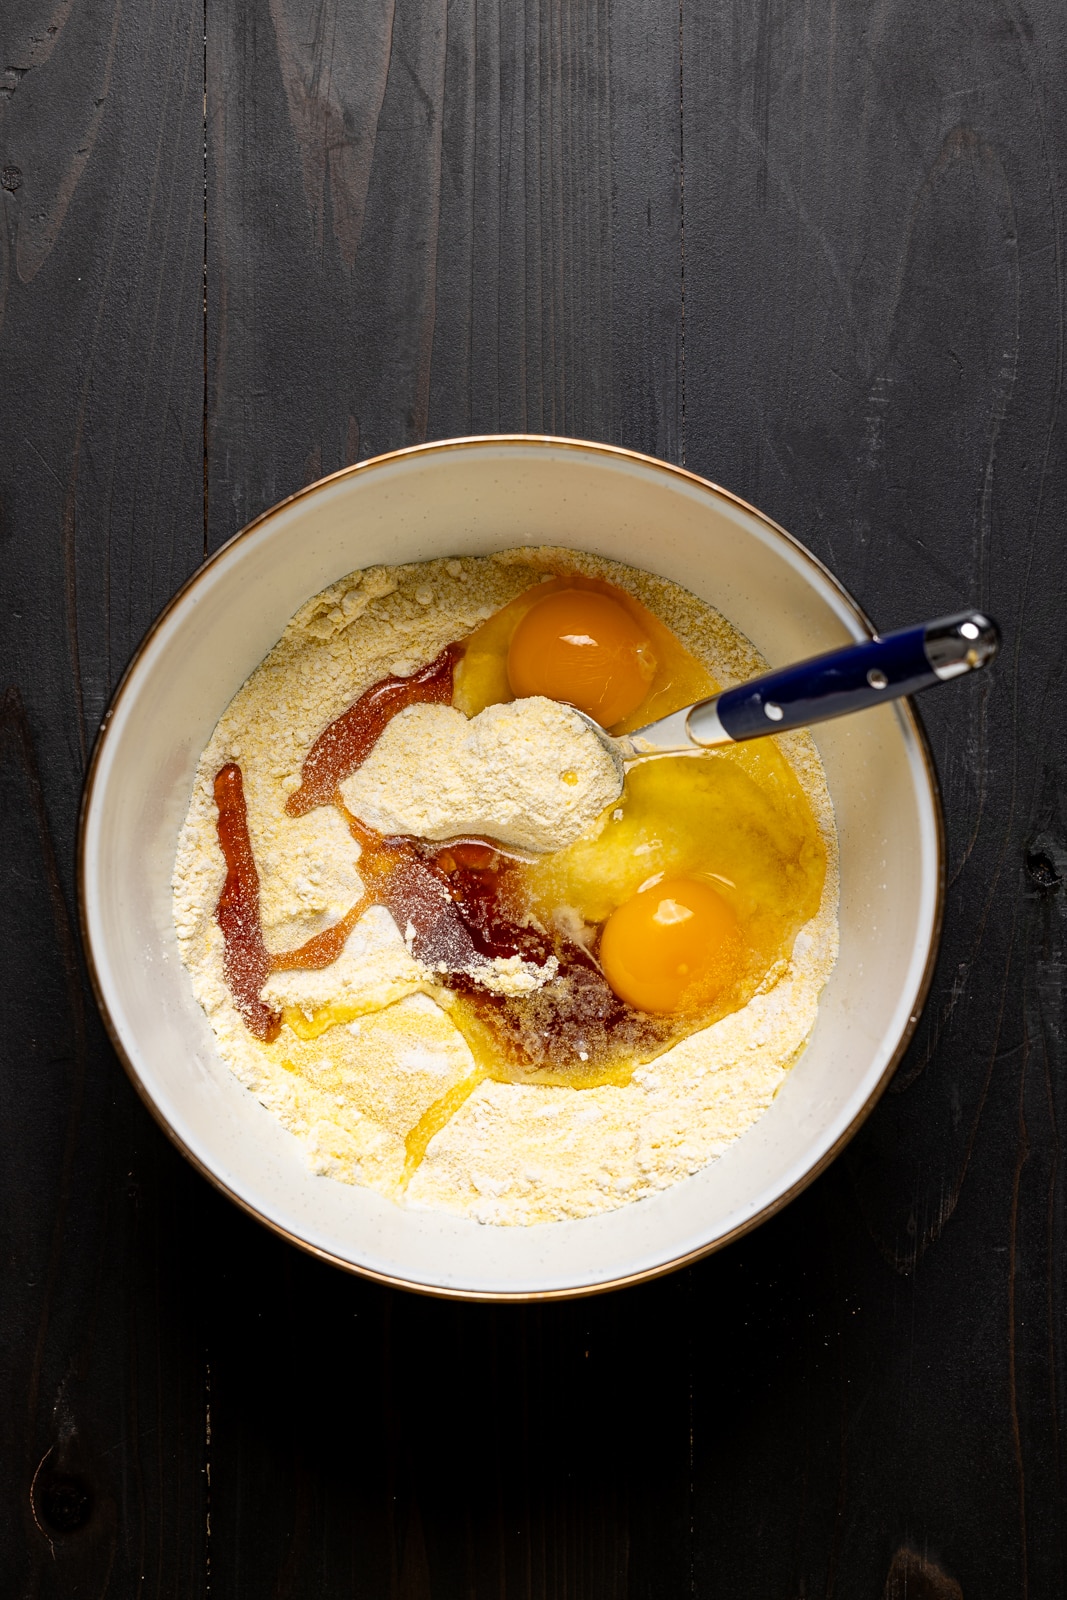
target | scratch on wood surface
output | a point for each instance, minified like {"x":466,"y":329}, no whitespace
{"x":41,"y":1529}
{"x":978,"y":760}
{"x":761,"y":95}
{"x":52,"y":473}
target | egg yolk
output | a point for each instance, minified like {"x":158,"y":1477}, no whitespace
{"x":585,"y":649}
{"x":673,"y":947}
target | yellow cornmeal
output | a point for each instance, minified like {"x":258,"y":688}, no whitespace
{"x":389,"y":1097}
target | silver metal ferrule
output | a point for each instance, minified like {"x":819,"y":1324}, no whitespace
{"x":704,"y":726}
{"x":959,"y":644}
{"x":682,"y":733}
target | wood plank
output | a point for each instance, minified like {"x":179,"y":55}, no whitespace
{"x":873,"y":353}
{"x":477,"y":252}
{"x":101,"y":380}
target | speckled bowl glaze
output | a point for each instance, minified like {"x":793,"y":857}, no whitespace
{"x":473,"y":496}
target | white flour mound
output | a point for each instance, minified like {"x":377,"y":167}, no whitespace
{"x":531,"y":774}
{"x":512,"y":1154}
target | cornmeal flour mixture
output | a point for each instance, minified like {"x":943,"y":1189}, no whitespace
{"x":368,"y":1064}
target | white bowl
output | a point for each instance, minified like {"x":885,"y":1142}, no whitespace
{"x":472,"y":496}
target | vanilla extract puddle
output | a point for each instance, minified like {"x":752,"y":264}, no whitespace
{"x":508,"y":944}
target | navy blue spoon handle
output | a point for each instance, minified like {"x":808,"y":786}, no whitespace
{"x":851,"y":679}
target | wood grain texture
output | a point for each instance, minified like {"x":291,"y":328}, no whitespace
{"x":813,"y":251}
{"x":101,"y":385}
{"x":894,"y":198}
{"x":517,"y":264}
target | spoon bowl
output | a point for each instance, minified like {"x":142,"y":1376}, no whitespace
{"x":835,"y":684}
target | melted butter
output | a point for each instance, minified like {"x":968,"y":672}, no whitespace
{"x":433,"y":1119}
{"x":334,"y":1015}
{"x":737,"y":818}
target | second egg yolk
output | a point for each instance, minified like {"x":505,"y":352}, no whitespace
{"x":674,"y":947}
{"x":585,"y":649}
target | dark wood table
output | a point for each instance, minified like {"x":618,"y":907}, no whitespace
{"x":815,"y":252}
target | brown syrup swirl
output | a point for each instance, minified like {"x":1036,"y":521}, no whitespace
{"x":246,"y":960}
{"x":573,"y":1020}
{"x":348,"y":740}
{"x":450,"y":903}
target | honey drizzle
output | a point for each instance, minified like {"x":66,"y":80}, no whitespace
{"x":349,"y":738}
{"x":338,"y":1013}
{"x":322,"y":949}
{"x":433,"y":1119}
{"x":246,"y":961}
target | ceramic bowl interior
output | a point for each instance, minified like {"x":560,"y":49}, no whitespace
{"x":473,"y":497}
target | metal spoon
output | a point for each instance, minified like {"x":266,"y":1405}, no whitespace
{"x":831,"y":685}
